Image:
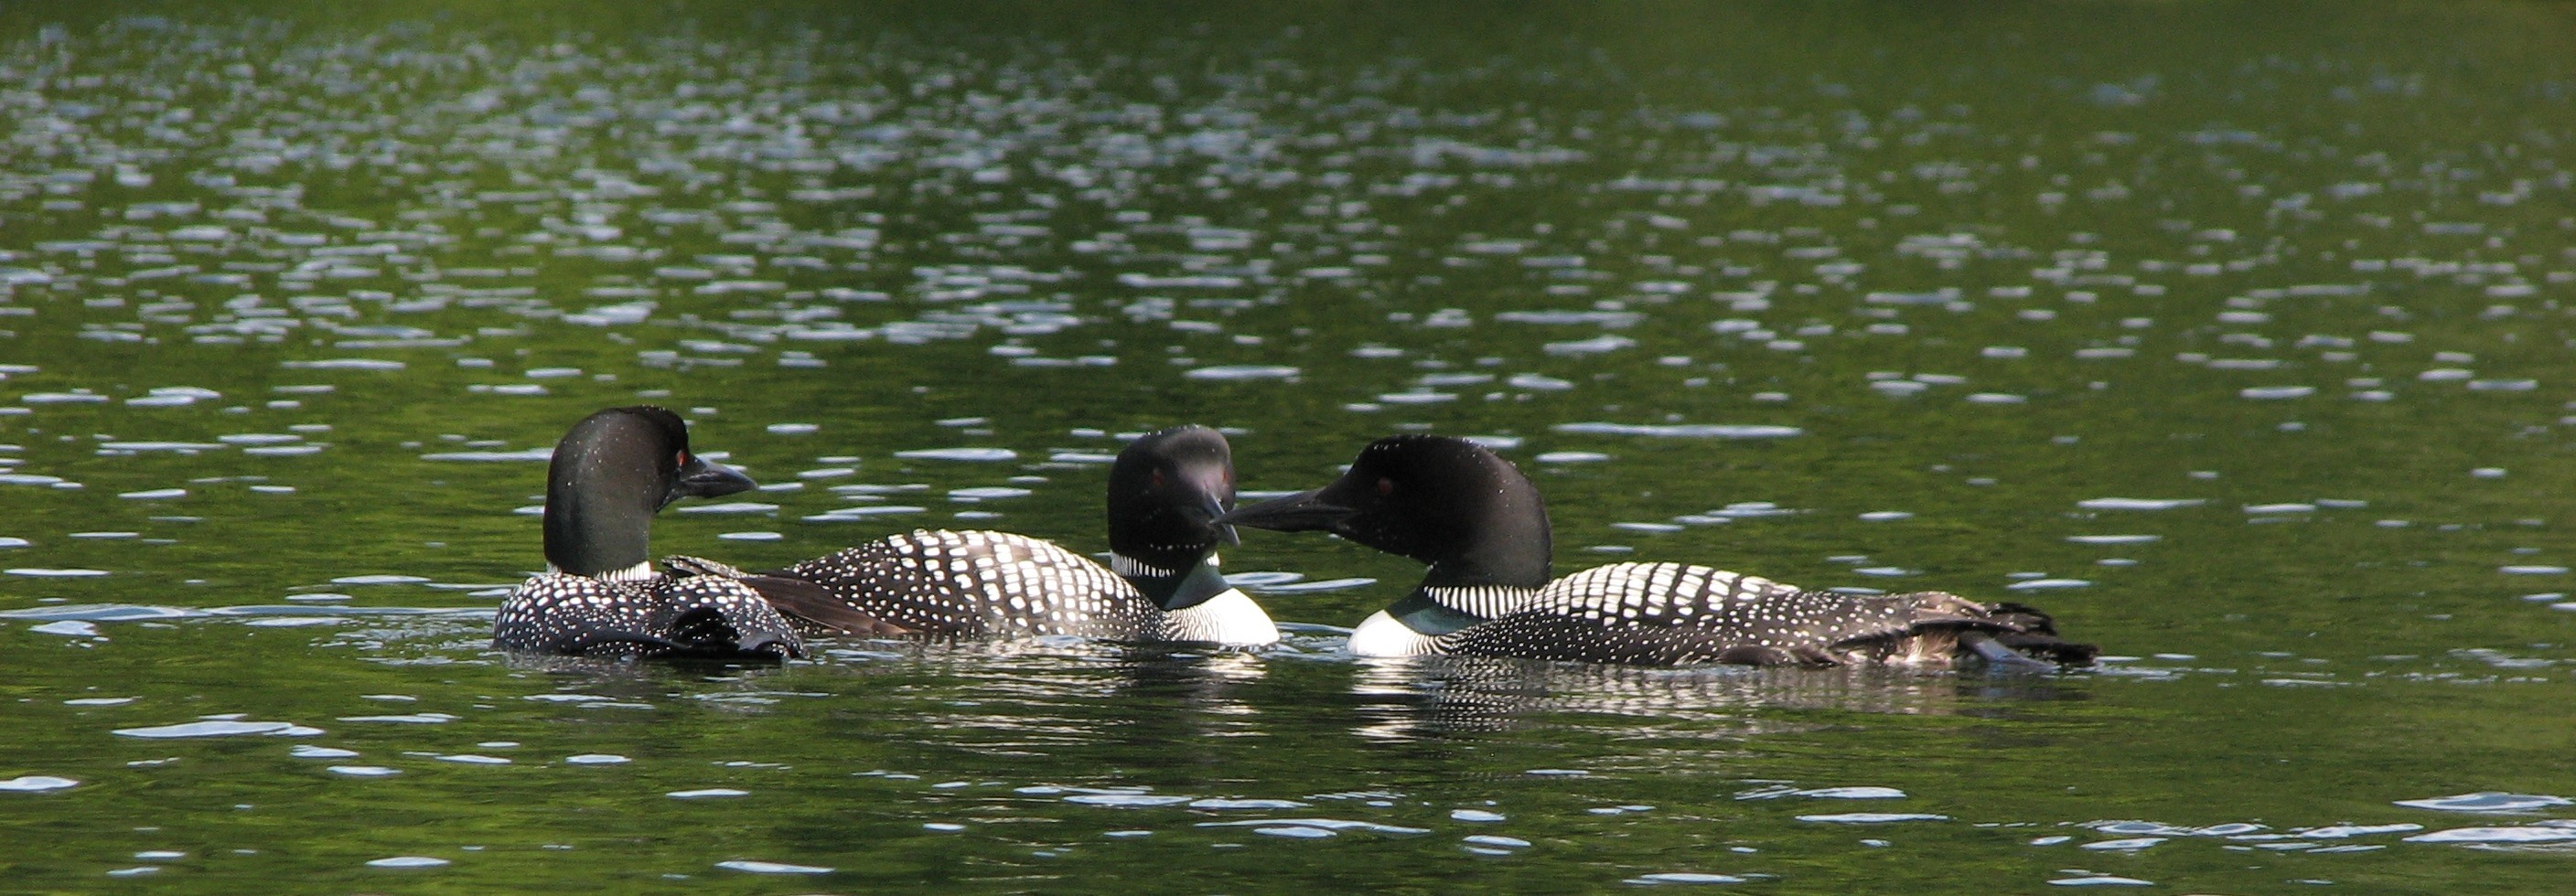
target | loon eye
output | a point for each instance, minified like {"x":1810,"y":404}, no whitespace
{"x":1385,"y":486}
{"x":1158,"y":479}
{"x":680,"y":460}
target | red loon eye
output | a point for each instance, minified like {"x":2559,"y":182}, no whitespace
{"x":680,"y":460}
{"x":1385,"y":486}
{"x":1158,"y":479}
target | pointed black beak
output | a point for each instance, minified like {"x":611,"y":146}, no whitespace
{"x":1301,"y":512}
{"x":703,"y":478}
{"x":1214,"y":510}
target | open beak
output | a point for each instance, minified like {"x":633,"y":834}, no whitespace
{"x":703,"y":478}
{"x":1304,"y":511}
{"x":1214,"y":510}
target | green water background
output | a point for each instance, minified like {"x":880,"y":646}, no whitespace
{"x":2109,"y":244}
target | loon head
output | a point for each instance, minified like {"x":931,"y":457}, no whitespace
{"x":610,"y":474}
{"x":1442,"y":501}
{"x":1165,"y":494}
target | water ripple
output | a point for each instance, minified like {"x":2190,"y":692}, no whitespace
{"x":36,"y":784}
{"x":1872,"y":817}
{"x":1243,"y":372}
{"x":2139,"y":503}
{"x":2488,"y":801}
{"x":1324,"y":824}
{"x":219,"y":728}
{"x":1682,"y":431}
{"x":408,"y":862}
{"x":2538,"y":833}
{"x":1685,"y":878}
{"x":976,"y":455}
{"x":756,"y":867}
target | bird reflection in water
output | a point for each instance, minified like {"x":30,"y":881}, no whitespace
{"x":1430,"y":697}
{"x":1036,"y":696}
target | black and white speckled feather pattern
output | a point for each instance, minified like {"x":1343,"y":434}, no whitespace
{"x":1164,"y":493}
{"x":1482,"y":530}
{"x":692,"y":616}
{"x":1668,"y":614}
{"x":977,"y":584}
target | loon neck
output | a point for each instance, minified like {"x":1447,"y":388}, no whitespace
{"x":595,"y":528}
{"x":1439,"y":610}
{"x":1510,"y":567}
{"x":1173,"y":589}
{"x":1502,"y":542}
{"x":641,"y":571}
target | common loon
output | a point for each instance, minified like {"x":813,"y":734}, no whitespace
{"x":600,"y":595}
{"x":1162,"y":584}
{"x":1480,"y":526}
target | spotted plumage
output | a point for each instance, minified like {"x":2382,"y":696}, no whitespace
{"x":977,"y":584}
{"x":600,"y":596}
{"x":1164,"y":492}
{"x":1671,"y":614}
{"x":692,"y":616}
{"x":1481,"y":528}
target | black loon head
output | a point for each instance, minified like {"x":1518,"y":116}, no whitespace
{"x":610,"y":474}
{"x":1442,"y":501}
{"x":1165,"y":493}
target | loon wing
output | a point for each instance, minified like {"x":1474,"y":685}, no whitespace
{"x":813,"y":604}
{"x":708,"y":631}
{"x":714,"y":616}
{"x":685,"y":565}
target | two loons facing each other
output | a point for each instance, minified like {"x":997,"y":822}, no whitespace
{"x":601,"y":595}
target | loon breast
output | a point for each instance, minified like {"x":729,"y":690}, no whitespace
{"x":1382,"y":635}
{"x":1232,"y":617}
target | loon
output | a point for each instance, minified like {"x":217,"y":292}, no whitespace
{"x":1480,"y":526}
{"x":600,"y":595}
{"x":1162,"y":583}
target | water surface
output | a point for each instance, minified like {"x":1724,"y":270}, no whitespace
{"x":2241,"y":351}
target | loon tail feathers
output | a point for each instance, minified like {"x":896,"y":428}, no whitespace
{"x":2005,"y":635}
{"x":2033,"y":634}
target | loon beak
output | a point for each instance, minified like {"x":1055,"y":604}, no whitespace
{"x":1214,"y":511}
{"x":1301,"y":512}
{"x":703,"y":478}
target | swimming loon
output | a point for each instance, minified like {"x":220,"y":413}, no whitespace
{"x":599,"y":594}
{"x":1482,"y":529}
{"x":1162,"y":584}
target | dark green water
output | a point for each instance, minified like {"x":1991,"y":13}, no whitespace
{"x":2233,"y":334}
